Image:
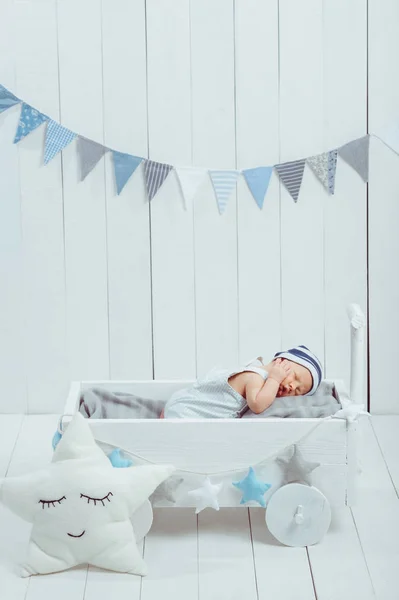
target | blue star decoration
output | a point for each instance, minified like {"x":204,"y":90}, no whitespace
{"x":252,"y":488}
{"x":118,"y":461}
{"x":115,"y":457}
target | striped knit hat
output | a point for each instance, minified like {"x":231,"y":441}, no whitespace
{"x":303,"y":356}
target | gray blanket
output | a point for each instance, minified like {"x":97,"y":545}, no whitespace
{"x":321,"y":404}
{"x":98,"y":403}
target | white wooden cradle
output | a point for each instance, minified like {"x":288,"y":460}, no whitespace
{"x":212,"y":446}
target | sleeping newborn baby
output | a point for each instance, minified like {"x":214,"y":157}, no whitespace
{"x":224,"y":394}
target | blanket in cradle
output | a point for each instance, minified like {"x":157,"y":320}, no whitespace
{"x":98,"y":403}
{"x":321,"y":404}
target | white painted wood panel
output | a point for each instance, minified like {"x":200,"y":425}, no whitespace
{"x":301,"y":128}
{"x":12,"y":351}
{"x":41,"y":211}
{"x":383,"y":204}
{"x":213,"y":131}
{"x":128,"y":227}
{"x":226,"y":86}
{"x":170,"y":141}
{"x":345,"y":213}
{"x":257,"y":131}
{"x":81,"y":100}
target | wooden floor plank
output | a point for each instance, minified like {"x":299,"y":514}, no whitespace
{"x":386,"y":429}
{"x":9,"y":430}
{"x":225,"y":556}
{"x":171,"y":555}
{"x":376,"y":515}
{"x":338,"y":565}
{"x":104,"y":585}
{"x":269,"y":556}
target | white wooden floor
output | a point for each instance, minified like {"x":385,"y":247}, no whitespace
{"x":227,"y":555}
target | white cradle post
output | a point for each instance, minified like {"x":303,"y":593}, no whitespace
{"x":357,"y":322}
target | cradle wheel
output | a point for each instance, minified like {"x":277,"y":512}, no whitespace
{"x":298,"y":515}
{"x":142,"y":520}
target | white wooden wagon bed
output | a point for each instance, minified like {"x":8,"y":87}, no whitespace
{"x":214,"y":447}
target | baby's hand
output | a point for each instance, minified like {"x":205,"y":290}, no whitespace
{"x":279,"y":371}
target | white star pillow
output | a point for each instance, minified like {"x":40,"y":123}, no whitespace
{"x":80,"y":506}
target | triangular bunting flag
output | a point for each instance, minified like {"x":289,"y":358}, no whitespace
{"x":324,"y":167}
{"x":223,"y":184}
{"x":190,"y":179}
{"x":57,"y":138}
{"x":29,"y":120}
{"x":258,"y":181}
{"x":7,"y":99}
{"x":124,"y":167}
{"x":356,"y":154}
{"x":291,"y":174}
{"x":89,"y":154}
{"x":155,"y":175}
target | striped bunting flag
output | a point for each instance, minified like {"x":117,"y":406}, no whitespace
{"x":223,"y":184}
{"x":258,"y":182}
{"x":89,"y":154}
{"x":57,"y":138}
{"x":190,"y":179}
{"x":291,"y":174}
{"x":155,"y":175}
{"x":356,"y":154}
{"x":29,"y":120}
{"x":324,"y":166}
{"x":7,"y":99}
{"x":124,"y":167}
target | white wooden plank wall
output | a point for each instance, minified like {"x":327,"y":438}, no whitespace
{"x":100,"y":286}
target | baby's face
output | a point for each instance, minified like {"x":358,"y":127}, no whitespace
{"x":298,"y":383}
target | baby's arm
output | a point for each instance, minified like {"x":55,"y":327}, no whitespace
{"x":259,"y":397}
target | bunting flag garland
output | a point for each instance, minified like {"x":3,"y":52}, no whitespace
{"x":258,"y":180}
{"x":89,"y":154}
{"x":124,"y":167}
{"x":57,"y":138}
{"x":155,"y":175}
{"x":190,"y":180}
{"x":324,"y":166}
{"x":291,"y":174}
{"x":7,"y":99}
{"x":223,"y":184}
{"x":29,"y":120}
{"x":356,"y":154}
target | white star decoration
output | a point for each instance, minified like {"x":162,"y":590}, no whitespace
{"x":351,"y":412}
{"x":80,"y":506}
{"x":206,"y":495}
{"x":295,"y":467}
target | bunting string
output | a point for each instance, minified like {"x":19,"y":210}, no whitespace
{"x":324,"y":165}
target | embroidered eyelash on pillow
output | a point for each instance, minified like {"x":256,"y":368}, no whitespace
{"x":80,"y":506}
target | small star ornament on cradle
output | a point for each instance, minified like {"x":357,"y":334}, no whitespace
{"x":80,"y":506}
{"x":252,"y":488}
{"x":206,"y":495}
